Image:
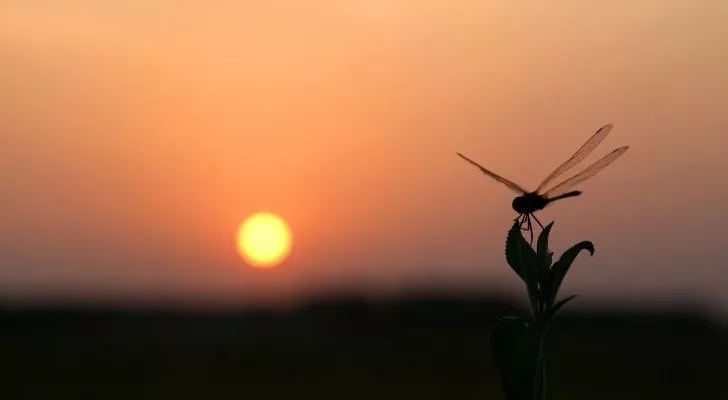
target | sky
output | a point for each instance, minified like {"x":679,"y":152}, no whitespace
{"x":135,"y":136}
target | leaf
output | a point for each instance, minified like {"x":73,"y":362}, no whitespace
{"x":512,"y":250}
{"x":543,"y":254}
{"x":561,"y":267}
{"x":550,"y":313}
{"x":516,"y":347}
{"x":543,"y":240}
{"x":522,"y":259}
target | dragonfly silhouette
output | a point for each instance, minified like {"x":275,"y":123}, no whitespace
{"x":529,"y":202}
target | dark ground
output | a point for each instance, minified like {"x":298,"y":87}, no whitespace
{"x":348,"y":349}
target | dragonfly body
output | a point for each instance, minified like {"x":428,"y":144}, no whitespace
{"x":532,"y":202}
{"x":528,"y":202}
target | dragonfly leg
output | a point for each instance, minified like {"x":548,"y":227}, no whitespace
{"x":539,"y":222}
{"x":521,"y":219}
{"x":542,"y":228}
{"x":530,"y":227}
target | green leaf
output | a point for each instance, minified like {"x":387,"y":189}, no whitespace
{"x":516,"y":347}
{"x":561,"y":267}
{"x":522,"y":259}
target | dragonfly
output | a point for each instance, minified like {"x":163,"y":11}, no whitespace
{"x":528,"y":202}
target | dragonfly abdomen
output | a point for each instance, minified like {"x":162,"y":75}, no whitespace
{"x":565,"y":195}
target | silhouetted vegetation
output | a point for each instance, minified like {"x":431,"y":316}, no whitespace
{"x":419,"y":348}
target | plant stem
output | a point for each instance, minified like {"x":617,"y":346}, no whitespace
{"x":539,"y":387}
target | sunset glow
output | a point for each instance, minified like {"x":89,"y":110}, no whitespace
{"x":133,"y":135}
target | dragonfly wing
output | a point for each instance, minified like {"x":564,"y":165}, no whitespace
{"x":580,"y":154}
{"x":587,"y":173}
{"x":516,"y":188}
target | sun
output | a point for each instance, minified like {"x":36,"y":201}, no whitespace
{"x":264,"y":240}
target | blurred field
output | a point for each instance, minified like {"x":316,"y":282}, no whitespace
{"x":427,"y":348}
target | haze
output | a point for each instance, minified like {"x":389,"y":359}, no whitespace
{"x":135,"y":136}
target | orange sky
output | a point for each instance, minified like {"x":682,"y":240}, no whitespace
{"x":135,"y":138}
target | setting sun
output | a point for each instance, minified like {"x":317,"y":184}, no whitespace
{"x":264,"y":240}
